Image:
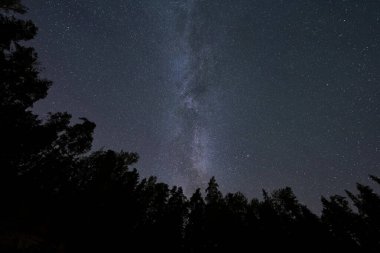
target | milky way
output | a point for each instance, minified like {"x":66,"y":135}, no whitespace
{"x":190,"y":62}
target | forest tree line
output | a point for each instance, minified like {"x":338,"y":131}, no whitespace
{"x":57,"y":196}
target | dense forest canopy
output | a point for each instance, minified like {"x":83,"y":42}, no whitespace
{"x":57,"y":196}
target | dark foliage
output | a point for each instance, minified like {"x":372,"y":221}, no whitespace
{"x":56,"y":197}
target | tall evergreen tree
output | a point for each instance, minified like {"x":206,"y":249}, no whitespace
{"x":38,"y":159}
{"x":29,"y":145}
{"x":195,"y":236}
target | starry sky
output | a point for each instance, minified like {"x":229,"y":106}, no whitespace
{"x":259,"y":94}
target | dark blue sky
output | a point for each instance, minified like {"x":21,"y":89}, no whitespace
{"x":260,"y":94}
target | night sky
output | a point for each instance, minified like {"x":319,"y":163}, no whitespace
{"x":259,"y":94}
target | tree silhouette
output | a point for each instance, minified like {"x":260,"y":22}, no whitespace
{"x":236,"y":205}
{"x":12,"y":5}
{"x":214,"y":216}
{"x":20,"y":88}
{"x":38,"y":159}
{"x":195,"y":237}
{"x":341,"y":220}
{"x":368,"y":204}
